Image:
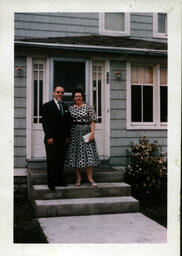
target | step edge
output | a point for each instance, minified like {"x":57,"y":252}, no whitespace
{"x":80,"y":200}
{"x":42,"y":187}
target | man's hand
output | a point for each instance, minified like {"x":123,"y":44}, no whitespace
{"x":50,"y":141}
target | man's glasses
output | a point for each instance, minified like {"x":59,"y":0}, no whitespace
{"x":60,"y":92}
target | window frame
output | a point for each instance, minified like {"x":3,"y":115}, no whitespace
{"x":156,"y":124}
{"x":155,"y":27}
{"x":104,"y":31}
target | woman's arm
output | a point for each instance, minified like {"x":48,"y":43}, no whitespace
{"x":92,"y":126}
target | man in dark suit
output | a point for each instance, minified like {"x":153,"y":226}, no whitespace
{"x":56,"y":128}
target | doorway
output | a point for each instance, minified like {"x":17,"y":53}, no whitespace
{"x":69,"y":74}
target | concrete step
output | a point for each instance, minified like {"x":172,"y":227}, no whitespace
{"x":41,"y":192}
{"x":100,"y":174}
{"x":85,"y":206}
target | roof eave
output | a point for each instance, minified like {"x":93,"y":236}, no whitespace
{"x":94,"y":48}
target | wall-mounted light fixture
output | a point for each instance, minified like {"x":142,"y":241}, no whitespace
{"x":19,"y":71}
{"x":117,"y":75}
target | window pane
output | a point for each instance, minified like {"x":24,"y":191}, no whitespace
{"x":41,"y":66}
{"x":114,"y":21}
{"x":136,"y":103}
{"x":40,"y":75}
{"x":163,"y":75}
{"x":163,"y":103}
{"x":35,"y":97}
{"x":147,"y":103}
{"x":141,"y":75}
{"x":40,"y":97}
{"x":161,"y":23}
{"x":94,"y":94}
{"x":134,"y":74}
{"x":35,"y":75}
{"x":99,"y":100}
{"x":148,"y":75}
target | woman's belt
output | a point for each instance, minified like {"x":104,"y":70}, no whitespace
{"x":80,"y":123}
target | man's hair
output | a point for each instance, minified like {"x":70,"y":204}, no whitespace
{"x":57,"y":87}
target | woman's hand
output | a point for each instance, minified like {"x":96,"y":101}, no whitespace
{"x":91,"y":137}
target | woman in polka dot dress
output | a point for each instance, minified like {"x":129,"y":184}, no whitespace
{"x":81,"y":154}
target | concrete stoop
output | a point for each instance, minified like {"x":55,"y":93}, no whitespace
{"x":111,"y":195}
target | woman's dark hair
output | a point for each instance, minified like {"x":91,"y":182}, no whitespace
{"x":78,"y":90}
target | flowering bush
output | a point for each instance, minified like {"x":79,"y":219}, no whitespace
{"x":147,"y":171}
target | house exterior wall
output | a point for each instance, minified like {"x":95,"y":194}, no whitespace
{"x":55,"y":24}
{"x":76,"y":24}
{"x":142,"y":26}
{"x":20,"y":114}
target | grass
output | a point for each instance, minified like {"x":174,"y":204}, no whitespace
{"x":26,"y":227}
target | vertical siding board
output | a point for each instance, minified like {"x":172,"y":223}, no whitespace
{"x":20,"y":114}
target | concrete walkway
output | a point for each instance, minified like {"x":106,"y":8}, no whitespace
{"x":108,"y":228}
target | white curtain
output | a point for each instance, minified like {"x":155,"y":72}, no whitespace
{"x":114,"y":21}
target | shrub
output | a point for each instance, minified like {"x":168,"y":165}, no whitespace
{"x":147,"y":171}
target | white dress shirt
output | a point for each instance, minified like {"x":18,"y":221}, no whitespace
{"x":57,"y":104}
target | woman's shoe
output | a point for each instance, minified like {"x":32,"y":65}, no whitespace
{"x":78,"y":183}
{"x":92,"y":183}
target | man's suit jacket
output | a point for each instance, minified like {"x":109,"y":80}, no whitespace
{"x":54,"y":125}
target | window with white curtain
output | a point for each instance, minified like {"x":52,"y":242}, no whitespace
{"x":160,"y":25}
{"x":141,"y":93}
{"x":146,"y":96}
{"x":113,"y":23}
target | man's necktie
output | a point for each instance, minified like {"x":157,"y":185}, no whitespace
{"x":61,"y":108}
